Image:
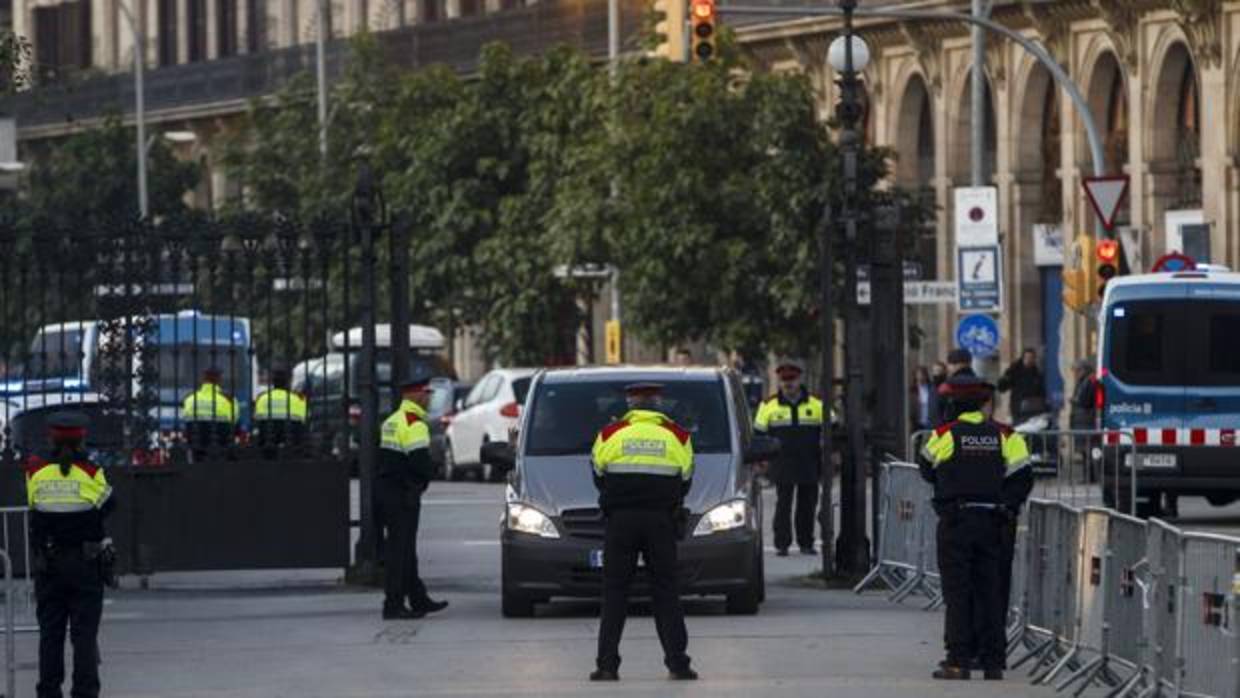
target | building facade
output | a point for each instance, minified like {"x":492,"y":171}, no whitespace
{"x":1162,"y":79}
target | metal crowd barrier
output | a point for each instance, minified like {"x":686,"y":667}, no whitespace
{"x":906,"y":563}
{"x":1098,"y":597}
{"x":10,"y":629}
{"x":15,"y":541}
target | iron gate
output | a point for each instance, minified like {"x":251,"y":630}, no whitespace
{"x":121,"y":322}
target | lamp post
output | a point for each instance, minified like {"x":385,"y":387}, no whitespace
{"x":848,"y":54}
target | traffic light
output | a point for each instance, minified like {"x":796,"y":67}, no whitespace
{"x":1079,"y":280}
{"x":670,"y":29}
{"x":702,"y":22}
{"x":1108,"y":253}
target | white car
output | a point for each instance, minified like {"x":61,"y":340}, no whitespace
{"x":487,"y":414}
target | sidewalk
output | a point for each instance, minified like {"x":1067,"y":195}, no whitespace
{"x":330,"y":643}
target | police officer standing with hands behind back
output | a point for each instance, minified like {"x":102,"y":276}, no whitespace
{"x":404,"y":473}
{"x":796,"y":418}
{"x":980,"y":472}
{"x":69,"y":498}
{"x":643,"y":468}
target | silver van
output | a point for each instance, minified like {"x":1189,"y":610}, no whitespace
{"x":552,"y":529}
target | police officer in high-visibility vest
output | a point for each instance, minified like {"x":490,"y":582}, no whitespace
{"x":980,"y":472}
{"x":69,"y":498}
{"x":405,"y":471}
{"x":643,"y":468}
{"x":279,"y":415}
{"x":209,"y":414}
{"x":796,"y":418}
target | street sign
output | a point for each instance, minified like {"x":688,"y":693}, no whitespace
{"x":979,"y":279}
{"x":611,"y":330}
{"x":1105,"y":194}
{"x":979,"y":334}
{"x":1174,"y":261}
{"x":917,"y":293}
{"x":977,"y":216}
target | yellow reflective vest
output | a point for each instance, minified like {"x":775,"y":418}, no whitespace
{"x":644,"y":442}
{"x":404,"y":445}
{"x":208,"y":404}
{"x":48,"y":490}
{"x":280,"y":404}
{"x":798,"y":427}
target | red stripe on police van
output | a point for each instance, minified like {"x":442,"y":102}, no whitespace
{"x":1197,"y":437}
{"x":1168,"y":437}
{"x":1227,"y":437}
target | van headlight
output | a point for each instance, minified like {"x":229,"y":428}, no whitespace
{"x":527,"y":519}
{"x":724,"y":517}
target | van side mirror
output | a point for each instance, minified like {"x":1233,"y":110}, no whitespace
{"x":762,"y":448}
{"x":499,"y":455}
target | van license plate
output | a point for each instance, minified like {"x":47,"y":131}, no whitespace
{"x":1153,"y":460}
{"x":596,"y":559}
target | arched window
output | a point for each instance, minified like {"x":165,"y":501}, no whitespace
{"x":925,"y":141}
{"x":1188,"y":139}
{"x":1052,"y":190}
{"x":1116,"y":144}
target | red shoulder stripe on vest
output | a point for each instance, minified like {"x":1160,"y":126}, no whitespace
{"x":1004,"y":429}
{"x":411,"y":419}
{"x":34,"y":464}
{"x":946,"y":427}
{"x":89,"y":468}
{"x":612,"y":428}
{"x":681,"y":435}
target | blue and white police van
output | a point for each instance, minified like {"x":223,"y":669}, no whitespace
{"x":1169,"y":374}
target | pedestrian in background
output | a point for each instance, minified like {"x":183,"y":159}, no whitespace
{"x":924,"y":400}
{"x":209,"y":415}
{"x":405,"y":471}
{"x":69,"y":498}
{"x":959,"y":363}
{"x":980,"y":472}
{"x":1027,"y":386}
{"x":1084,"y":409}
{"x":796,"y":418}
{"x":643,"y":468}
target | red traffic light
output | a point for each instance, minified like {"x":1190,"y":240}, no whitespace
{"x":703,"y":10}
{"x":1108,"y":251}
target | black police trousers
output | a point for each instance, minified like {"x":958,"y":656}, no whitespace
{"x":970,"y":548}
{"x":400,"y":507}
{"x":653,"y":535}
{"x":69,"y":600}
{"x":805,"y":495}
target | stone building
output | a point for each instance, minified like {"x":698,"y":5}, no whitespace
{"x":1162,"y":79}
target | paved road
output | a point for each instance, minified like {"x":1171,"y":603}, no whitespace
{"x":301,"y":634}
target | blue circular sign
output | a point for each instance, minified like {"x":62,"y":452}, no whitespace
{"x":979,"y":334}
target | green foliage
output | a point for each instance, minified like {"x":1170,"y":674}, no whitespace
{"x":15,"y":59}
{"x":91,"y":176}
{"x":704,"y":185}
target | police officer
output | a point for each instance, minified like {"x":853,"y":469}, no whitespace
{"x":404,"y":473}
{"x":279,"y":414}
{"x":796,"y":418}
{"x":643,"y":468}
{"x":959,"y":363}
{"x":209,"y":413}
{"x":69,"y":498}
{"x":980,"y":472}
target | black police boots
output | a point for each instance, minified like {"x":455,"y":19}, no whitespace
{"x":685,"y":674}
{"x":428,"y":605}
{"x":604,"y":675}
{"x":947,"y":672}
{"x":401,"y":613}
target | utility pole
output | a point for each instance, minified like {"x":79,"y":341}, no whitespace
{"x":886,"y":335}
{"x":852,"y":552}
{"x":826,"y":504}
{"x":398,"y":248}
{"x":977,"y":151}
{"x":320,"y":57}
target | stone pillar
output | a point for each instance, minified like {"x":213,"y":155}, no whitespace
{"x":1216,"y":159}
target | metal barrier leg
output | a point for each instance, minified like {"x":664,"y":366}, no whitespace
{"x":1063,"y":663}
{"x":10,"y":640}
{"x":1040,"y":652}
{"x":1125,"y":689}
{"x":875,"y":574}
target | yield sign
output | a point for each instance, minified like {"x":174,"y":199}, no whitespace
{"x":1105,"y":194}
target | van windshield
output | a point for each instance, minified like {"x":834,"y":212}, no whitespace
{"x":55,"y":354}
{"x":567,"y":416}
{"x":1149,"y":344}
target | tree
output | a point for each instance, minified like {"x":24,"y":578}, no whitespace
{"x":88,"y":177}
{"x":15,"y":55}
